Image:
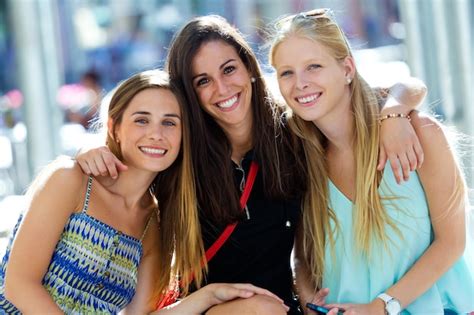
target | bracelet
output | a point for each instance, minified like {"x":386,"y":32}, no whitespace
{"x":397,"y":115}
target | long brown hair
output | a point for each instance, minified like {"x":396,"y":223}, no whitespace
{"x":275,"y":148}
{"x":174,"y":188}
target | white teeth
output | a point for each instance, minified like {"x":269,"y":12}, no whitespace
{"x":228,"y":103}
{"x":307,"y":99}
{"x":153,"y":151}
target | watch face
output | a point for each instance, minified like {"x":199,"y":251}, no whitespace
{"x":393,"y":307}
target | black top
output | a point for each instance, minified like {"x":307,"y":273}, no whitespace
{"x":259,"y":249}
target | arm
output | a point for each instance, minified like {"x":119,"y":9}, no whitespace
{"x":227,"y":298}
{"x":38,"y":235}
{"x":304,"y":288}
{"x":398,"y":141}
{"x":447,"y":212}
{"x":99,"y":161}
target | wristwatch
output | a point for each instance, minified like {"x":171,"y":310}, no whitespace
{"x":392,"y":305}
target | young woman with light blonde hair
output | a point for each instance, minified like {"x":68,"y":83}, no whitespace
{"x":377,"y":247}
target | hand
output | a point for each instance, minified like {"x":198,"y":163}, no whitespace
{"x":319,"y":299}
{"x":100,"y":162}
{"x":223,"y":292}
{"x":399,"y":143}
{"x":376,"y":307}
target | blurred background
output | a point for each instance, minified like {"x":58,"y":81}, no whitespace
{"x":58,"y":58}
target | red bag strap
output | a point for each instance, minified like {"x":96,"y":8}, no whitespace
{"x":211,"y":251}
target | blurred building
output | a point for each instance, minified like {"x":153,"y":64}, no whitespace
{"x":49,"y":44}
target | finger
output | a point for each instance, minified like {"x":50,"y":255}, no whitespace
{"x":320,"y":296}
{"x":420,"y":155}
{"x":405,"y":165}
{"x":412,"y":160}
{"x":394,"y":163}
{"x":257,"y":290}
{"x":333,"y":311}
{"x":93,"y":168}
{"x":85,"y":168}
{"x":101,"y":165}
{"x":382,"y":159}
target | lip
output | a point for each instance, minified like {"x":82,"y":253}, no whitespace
{"x":308,"y":99}
{"x":153,"y":151}
{"x":233,"y":106}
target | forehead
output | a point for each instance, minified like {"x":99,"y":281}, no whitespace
{"x":213,"y":53}
{"x":298,"y":48}
{"x":154,"y":100}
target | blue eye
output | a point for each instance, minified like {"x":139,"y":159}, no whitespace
{"x":169,"y":123}
{"x":285,"y":73}
{"x":314,"y":67}
{"x":141,"y":121}
{"x":229,"y":69}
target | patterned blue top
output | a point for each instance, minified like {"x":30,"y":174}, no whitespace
{"x":355,"y":279}
{"x":93,"y":269}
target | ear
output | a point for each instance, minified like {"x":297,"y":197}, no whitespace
{"x":349,"y":67}
{"x":110,"y":126}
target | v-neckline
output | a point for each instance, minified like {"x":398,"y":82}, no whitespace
{"x":347,"y":199}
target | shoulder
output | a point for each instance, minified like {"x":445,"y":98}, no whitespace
{"x":62,"y":177}
{"x":429,"y":130}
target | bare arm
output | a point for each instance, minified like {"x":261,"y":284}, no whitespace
{"x":227,"y":298}
{"x":398,"y":141}
{"x":447,"y":213}
{"x":37,"y":237}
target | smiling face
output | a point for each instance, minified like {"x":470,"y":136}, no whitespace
{"x":149,"y":133}
{"x":222,"y":84}
{"x":313,"y":83}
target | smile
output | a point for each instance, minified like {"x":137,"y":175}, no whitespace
{"x":153,"y":151}
{"x":308,"y":98}
{"x":227,"y":104}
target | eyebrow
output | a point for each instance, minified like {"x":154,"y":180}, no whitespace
{"x":220,"y":67}
{"x":148,"y":113}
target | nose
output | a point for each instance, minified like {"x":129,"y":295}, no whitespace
{"x":301,"y":82}
{"x":156,"y":132}
{"x":221,"y":87}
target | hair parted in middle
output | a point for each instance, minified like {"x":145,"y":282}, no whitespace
{"x":275,"y":148}
{"x":174,"y":188}
{"x":370,"y":218}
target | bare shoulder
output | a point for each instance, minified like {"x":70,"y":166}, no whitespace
{"x":61,"y":178}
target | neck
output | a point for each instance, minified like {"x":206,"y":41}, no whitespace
{"x":241,"y":140}
{"x":338,"y":127}
{"x":131,"y":185}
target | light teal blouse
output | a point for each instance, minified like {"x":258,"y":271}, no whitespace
{"x":354,"y":279}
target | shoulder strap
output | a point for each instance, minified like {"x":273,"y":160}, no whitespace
{"x":147,"y":225}
{"x":211,"y":251}
{"x":88,"y":195}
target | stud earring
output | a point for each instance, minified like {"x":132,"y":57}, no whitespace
{"x":252,"y":79}
{"x":348,"y":80}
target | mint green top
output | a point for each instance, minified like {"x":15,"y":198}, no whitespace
{"x":352,"y":278}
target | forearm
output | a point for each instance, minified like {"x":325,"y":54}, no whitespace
{"x":405,"y":96}
{"x":439,"y":257}
{"x":31,"y":298}
{"x":196,"y":303}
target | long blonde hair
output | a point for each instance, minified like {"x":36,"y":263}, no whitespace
{"x":320,"y":225}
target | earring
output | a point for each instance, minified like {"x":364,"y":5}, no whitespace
{"x":252,"y":79}
{"x":348,"y":80}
